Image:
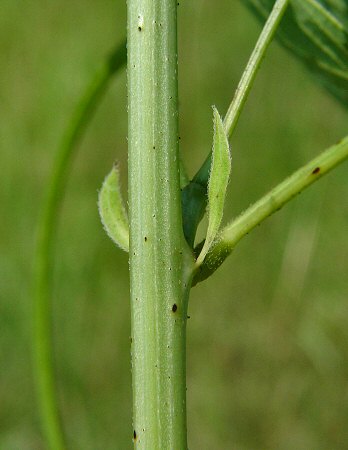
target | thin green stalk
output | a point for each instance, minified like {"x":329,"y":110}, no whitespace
{"x":160,"y":261}
{"x":195,"y":194}
{"x":42,"y":337}
{"x":254,"y":65}
{"x":248,"y":77}
{"x":269,"y":204}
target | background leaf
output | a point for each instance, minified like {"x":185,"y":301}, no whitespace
{"x":317,"y":32}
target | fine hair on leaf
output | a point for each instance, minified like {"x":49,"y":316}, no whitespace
{"x":218,"y":181}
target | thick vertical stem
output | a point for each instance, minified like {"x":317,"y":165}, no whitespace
{"x":160,"y":261}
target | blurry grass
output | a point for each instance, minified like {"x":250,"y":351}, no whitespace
{"x":267,"y":338}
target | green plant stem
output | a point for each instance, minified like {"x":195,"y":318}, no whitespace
{"x":248,"y":77}
{"x":253,"y":66}
{"x":160,"y":261}
{"x":42,"y":337}
{"x":269,"y":204}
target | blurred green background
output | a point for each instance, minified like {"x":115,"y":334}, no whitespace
{"x":268,"y":334}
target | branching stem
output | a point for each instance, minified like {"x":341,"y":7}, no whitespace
{"x":269,"y":204}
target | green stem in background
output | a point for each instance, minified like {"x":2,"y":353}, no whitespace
{"x":160,"y":260}
{"x":42,"y":337}
{"x":269,"y":204}
{"x":200,"y":180}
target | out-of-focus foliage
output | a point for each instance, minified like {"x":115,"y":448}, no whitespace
{"x":317,"y":32}
{"x":267,"y":336}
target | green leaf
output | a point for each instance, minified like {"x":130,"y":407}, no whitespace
{"x":317,"y":32}
{"x":218,"y":181}
{"x":194,"y":203}
{"x":112,"y":210}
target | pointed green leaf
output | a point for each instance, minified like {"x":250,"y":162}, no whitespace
{"x":112,"y":210}
{"x":218,"y":181}
{"x":317,"y":32}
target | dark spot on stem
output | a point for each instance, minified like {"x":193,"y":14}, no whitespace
{"x":189,"y":317}
{"x":174,"y":307}
{"x":139,"y":28}
{"x":316,"y":170}
{"x":145,"y":239}
{"x":134,"y":435}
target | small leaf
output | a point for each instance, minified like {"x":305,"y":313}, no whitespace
{"x":317,"y":32}
{"x":112,"y":210}
{"x":218,"y":181}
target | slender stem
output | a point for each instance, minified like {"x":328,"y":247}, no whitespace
{"x":42,"y":337}
{"x":271,"y":203}
{"x":248,"y":77}
{"x":195,"y":205}
{"x":160,"y":261}
{"x":254,"y":65}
